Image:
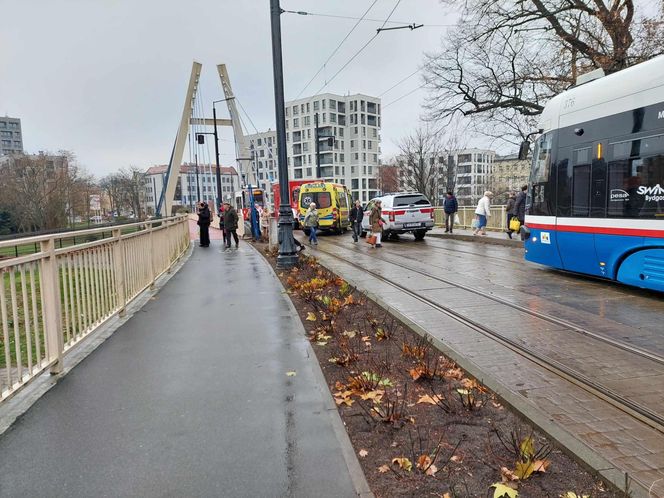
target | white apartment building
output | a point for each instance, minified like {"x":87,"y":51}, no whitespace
{"x":191,"y":181}
{"x":473,"y":173}
{"x":349,"y":143}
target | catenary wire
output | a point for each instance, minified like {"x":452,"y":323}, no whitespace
{"x":405,"y":95}
{"x":361,"y":49}
{"x":367,"y":19}
{"x":400,"y":81}
{"x":336,"y":49}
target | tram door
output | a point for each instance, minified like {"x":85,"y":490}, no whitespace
{"x":575,"y":242}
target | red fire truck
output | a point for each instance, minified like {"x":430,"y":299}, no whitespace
{"x":294,"y":193}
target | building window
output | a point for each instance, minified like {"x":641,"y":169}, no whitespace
{"x":295,"y":111}
{"x":341,"y":132}
{"x":370,"y":145}
{"x":296,"y":122}
{"x":316,"y":105}
{"x":308,"y":107}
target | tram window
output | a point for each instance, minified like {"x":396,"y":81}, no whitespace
{"x":636,"y":188}
{"x":564,"y":188}
{"x":581,"y":191}
{"x":542,"y":159}
{"x":582,"y":156}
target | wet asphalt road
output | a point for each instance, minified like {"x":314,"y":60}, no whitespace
{"x":189,"y":398}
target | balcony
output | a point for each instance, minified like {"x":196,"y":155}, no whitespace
{"x":325,"y":131}
{"x":327,"y":158}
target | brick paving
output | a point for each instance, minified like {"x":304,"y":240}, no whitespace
{"x":628,"y":444}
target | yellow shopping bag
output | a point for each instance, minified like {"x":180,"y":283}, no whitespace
{"x":515,"y":224}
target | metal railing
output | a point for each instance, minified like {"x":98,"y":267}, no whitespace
{"x":497,"y":221}
{"x":53,"y":298}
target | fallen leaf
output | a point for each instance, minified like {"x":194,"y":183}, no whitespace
{"x":384,"y":468}
{"x":376,"y":395}
{"x":501,"y":490}
{"x":423,"y":462}
{"x":431,"y":471}
{"x":291,"y":374}
{"x":349,"y":333}
{"x":527,"y":447}
{"x":415,"y":373}
{"x":524,"y":469}
{"x":572,"y":494}
{"x":507,"y":475}
{"x":321,"y":343}
{"x":404,"y":463}
{"x":311,"y":317}
{"x":363,"y":453}
{"x":456,"y":459}
{"x":497,"y":405}
{"x":432,"y":400}
{"x":541,"y":465}
{"x":446,"y":495}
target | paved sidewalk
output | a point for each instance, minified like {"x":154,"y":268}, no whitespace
{"x":499,"y":238}
{"x":190,"y":397}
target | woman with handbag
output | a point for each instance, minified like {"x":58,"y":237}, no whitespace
{"x":482,"y":213}
{"x":510,"y":213}
{"x":376,"y":221}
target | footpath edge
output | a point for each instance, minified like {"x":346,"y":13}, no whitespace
{"x":358,"y":478}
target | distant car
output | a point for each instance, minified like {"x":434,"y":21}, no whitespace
{"x":403,"y":212}
{"x":96,"y":219}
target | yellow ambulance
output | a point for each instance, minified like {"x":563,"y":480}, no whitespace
{"x":333,"y":202}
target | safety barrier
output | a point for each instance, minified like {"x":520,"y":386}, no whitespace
{"x":497,"y":220}
{"x":53,"y":298}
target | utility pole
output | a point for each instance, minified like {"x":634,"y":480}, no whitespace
{"x":317,"y":146}
{"x":287,"y":255}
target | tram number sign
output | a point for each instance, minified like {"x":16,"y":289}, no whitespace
{"x":545,"y":237}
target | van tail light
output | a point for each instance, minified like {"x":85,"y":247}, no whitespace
{"x":432,"y":214}
{"x":335,"y":214}
{"x":392,"y":216}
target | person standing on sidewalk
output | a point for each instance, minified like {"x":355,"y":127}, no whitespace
{"x":520,"y":205}
{"x":311,"y":222}
{"x":356,"y":217}
{"x":204,"y":219}
{"x":483,"y":212}
{"x":509,"y":212}
{"x":376,"y":221}
{"x":221,"y":223}
{"x":450,"y":206}
{"x":230,"y":224}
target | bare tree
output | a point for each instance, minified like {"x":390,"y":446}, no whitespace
{"x":421,"y":154}
{"x":388,"y":177}
{"x":507,"y":59}
{"x":125,"y":191}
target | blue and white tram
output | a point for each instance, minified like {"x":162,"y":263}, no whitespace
{"x":596,"y":192}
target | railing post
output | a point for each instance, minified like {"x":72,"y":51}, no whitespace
{"x":50,"y":277}
{"x":119,"y":270}
{"x":152,"y":262}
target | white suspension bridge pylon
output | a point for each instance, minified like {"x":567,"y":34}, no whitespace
{"x":243,"y":159}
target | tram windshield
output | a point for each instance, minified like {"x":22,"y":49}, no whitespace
{"x":542,"y":159}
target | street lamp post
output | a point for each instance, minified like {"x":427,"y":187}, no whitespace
{"x":318,"y":173}
{"x":216,"y":150}
{"x":287,"y":255}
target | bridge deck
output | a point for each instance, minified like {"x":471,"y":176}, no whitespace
{"x":189,"y":398}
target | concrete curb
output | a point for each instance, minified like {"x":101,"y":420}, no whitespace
{"x":478,"y":239}
{"x":21,"y":402}
{"x":352,"y":463}
{"x":572,"y":446}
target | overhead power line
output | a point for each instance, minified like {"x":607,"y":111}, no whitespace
{"x":336,"y":49}
{"x":365,"y":19}
{"x":400,"y":81}
{"x":361,"y":49}
{"x":405,"y":95}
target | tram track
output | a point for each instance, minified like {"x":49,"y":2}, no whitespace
{"x":650,"y":355}
{"x":626,"y":405}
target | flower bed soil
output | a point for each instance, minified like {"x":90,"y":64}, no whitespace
{"x":419,"y":425}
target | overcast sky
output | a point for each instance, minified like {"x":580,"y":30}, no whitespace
{"x":106,"y":78}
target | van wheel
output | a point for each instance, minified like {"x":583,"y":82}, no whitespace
{"x":363,"y":234}
{"x":419,"y":234}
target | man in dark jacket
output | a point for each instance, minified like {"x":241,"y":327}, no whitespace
{"x":204,"y":219}
{"x":230,"y":225}
{"x":520,"y":205}
{"x":509,"y":212}
{"x":450,"y":206}
{"x":356,"y":216}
